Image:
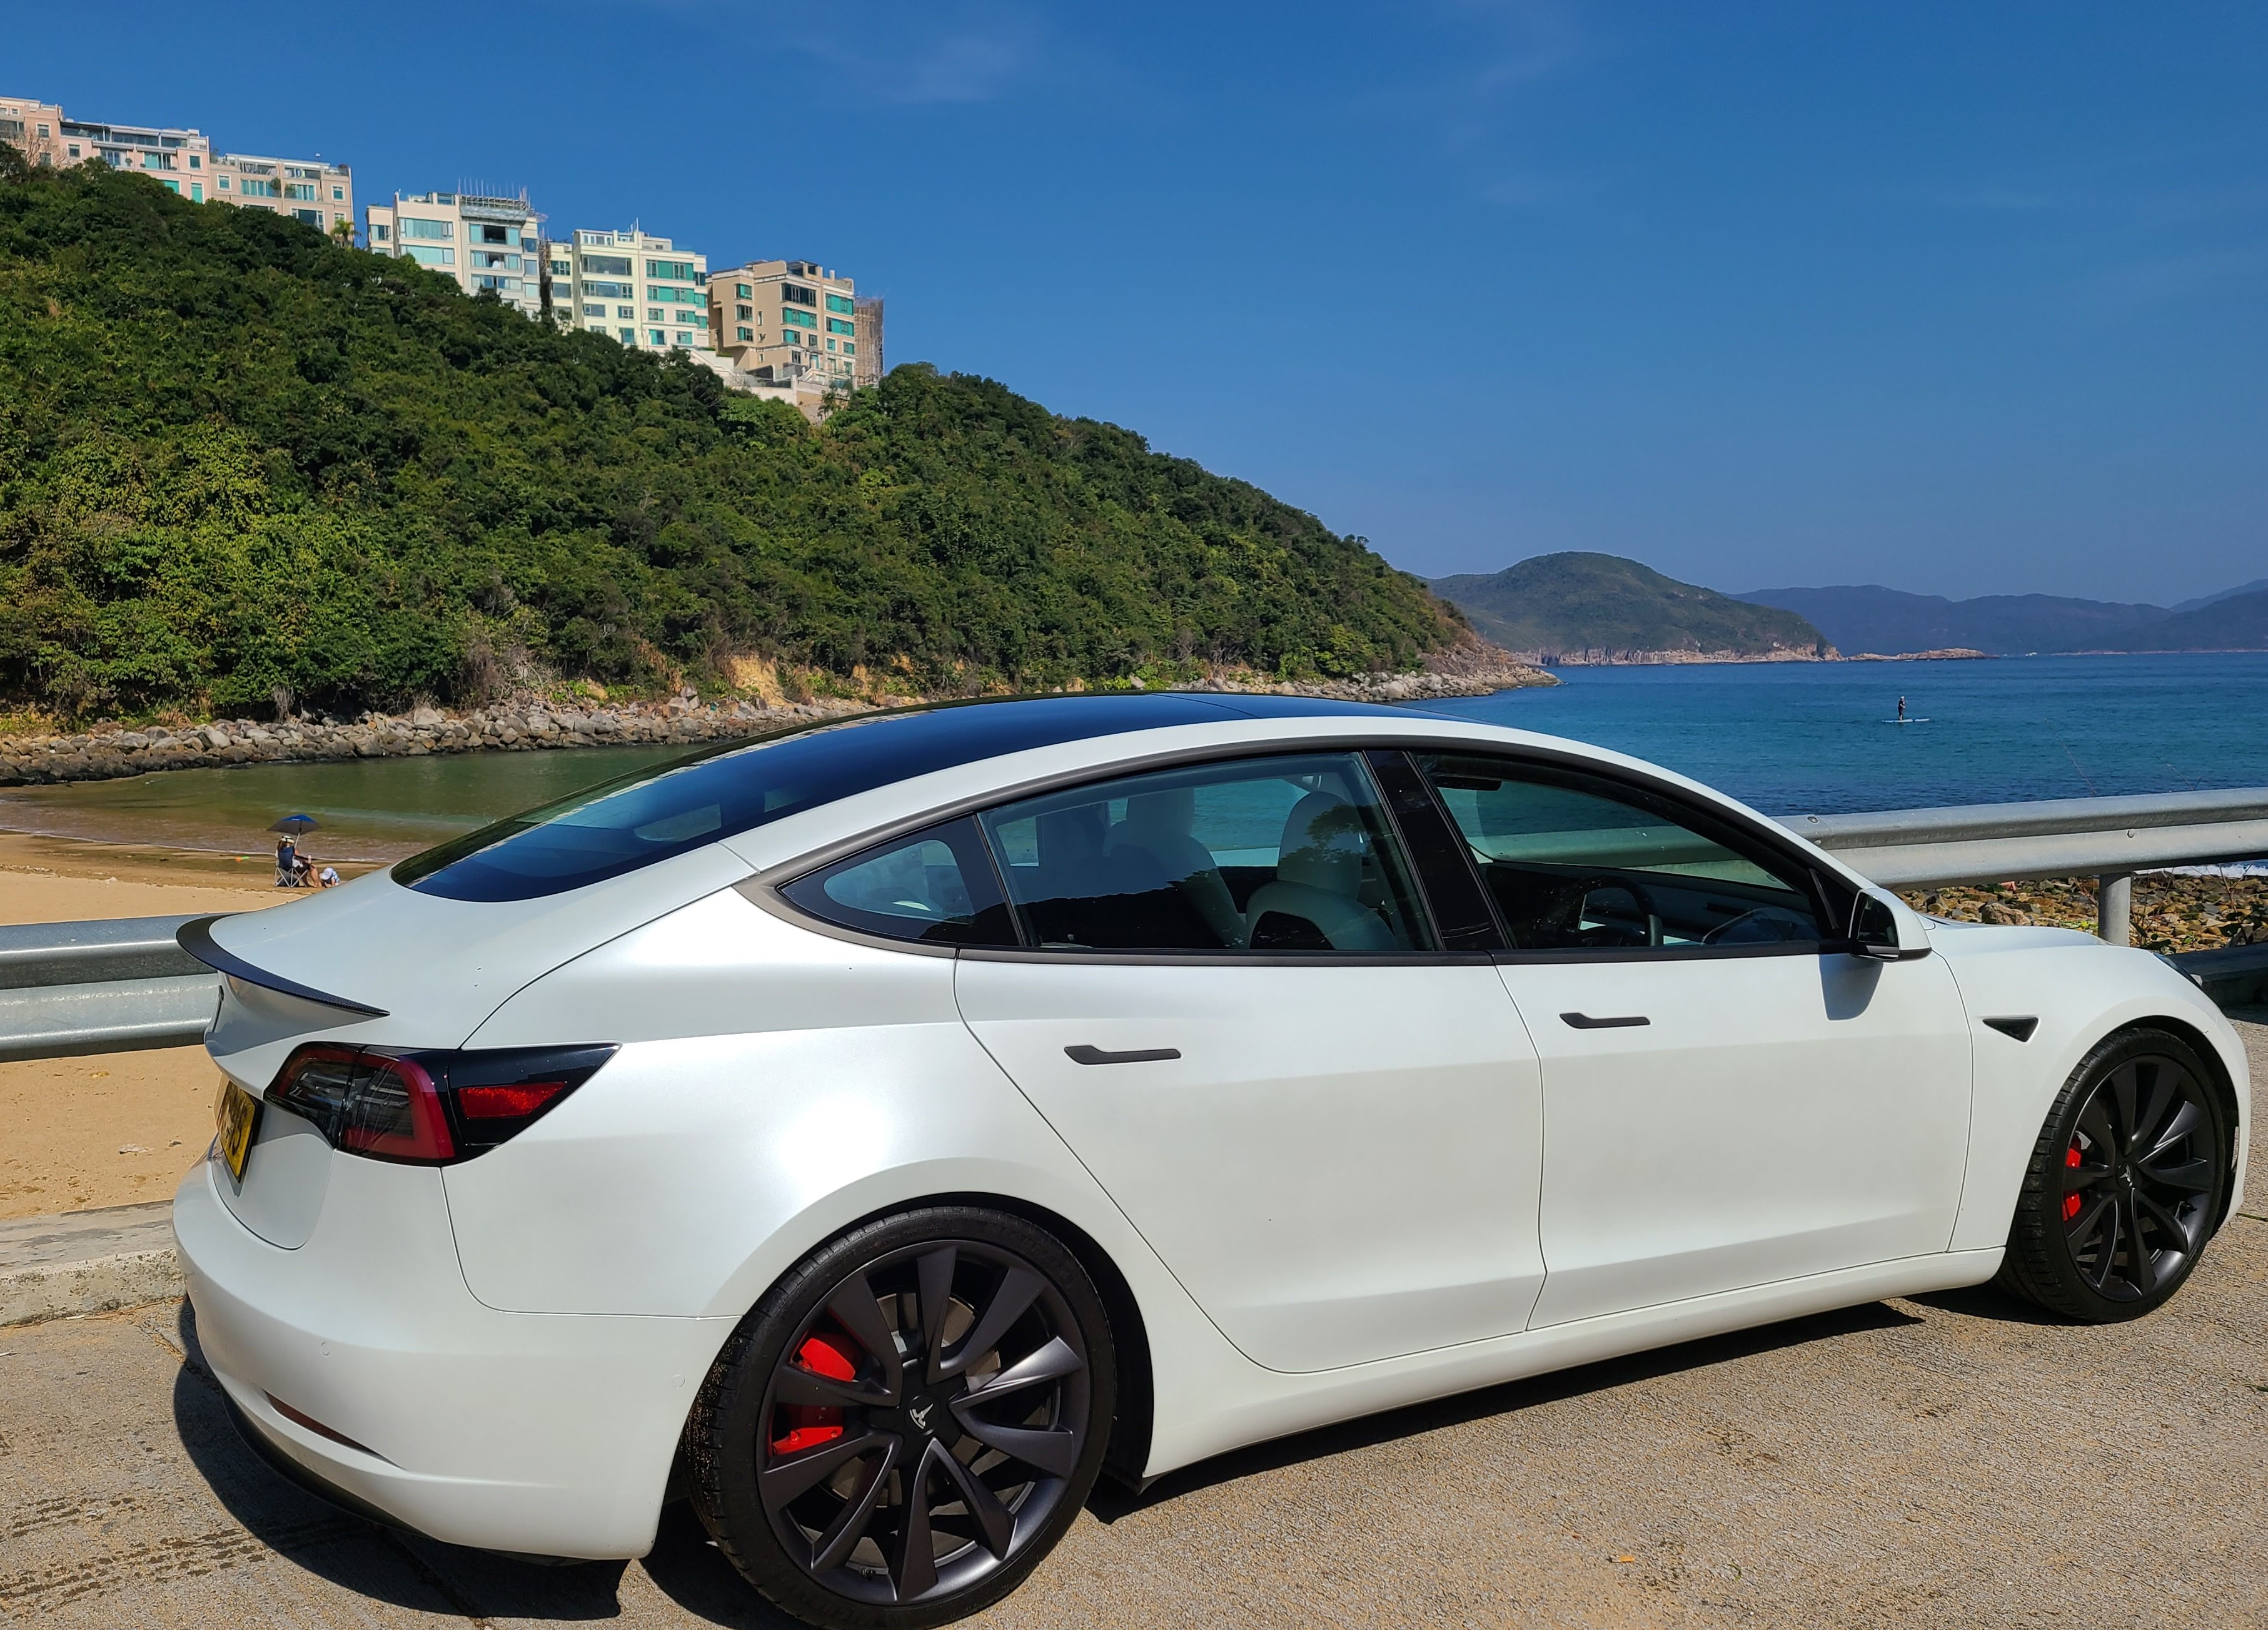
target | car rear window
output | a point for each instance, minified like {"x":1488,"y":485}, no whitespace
{"x":651,"y":815}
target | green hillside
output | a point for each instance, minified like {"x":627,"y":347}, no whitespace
{"x":1578,"y":602}
{"x":235,"y":456}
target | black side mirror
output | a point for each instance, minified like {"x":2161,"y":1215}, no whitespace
{"x":1875,"y":930}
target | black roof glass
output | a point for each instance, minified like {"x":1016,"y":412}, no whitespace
{"x":652,"y":815}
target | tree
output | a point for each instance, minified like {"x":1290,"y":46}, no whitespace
{"x":240,"y":456}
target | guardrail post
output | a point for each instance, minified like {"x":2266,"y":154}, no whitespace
{"x":2114,"y":910}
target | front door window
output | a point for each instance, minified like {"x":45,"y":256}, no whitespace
{"x":1579,"y":864}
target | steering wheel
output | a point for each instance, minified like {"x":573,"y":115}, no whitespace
{"x":1607,"y":934}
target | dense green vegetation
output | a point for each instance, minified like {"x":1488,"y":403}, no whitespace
{"x":1575,"y":602}
{"x":235,"y":456}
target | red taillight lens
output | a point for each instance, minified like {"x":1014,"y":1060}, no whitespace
{"x":489,"y":1103}
{"x":428,"y":1107}
{"x":367,"y":1102}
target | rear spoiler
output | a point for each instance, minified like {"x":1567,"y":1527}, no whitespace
{"x":196,"y":937}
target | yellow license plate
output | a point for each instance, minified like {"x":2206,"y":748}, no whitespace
{"x":239,"y":1114}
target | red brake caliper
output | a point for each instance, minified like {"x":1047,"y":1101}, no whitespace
{"x":2071,"y":1201}
{"x":810,"y":1425}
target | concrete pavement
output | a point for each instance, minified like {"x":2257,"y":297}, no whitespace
{"x":1950,"y":1461}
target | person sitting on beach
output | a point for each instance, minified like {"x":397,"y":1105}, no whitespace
{"x":327,"y":878}
{"x":287,"y":862}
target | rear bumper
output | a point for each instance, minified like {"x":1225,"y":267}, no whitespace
{"x":545,"y":1434}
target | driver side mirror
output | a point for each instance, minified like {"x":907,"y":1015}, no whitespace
{"x":1882,"y":930}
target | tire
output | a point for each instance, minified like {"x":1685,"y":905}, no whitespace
{"x":908,"y":1422}
{"x":2125,"y":1184}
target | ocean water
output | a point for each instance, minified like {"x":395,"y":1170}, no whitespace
{"x":1790,"y":739}
{"x":365,"y":808}
{"x":1816,"y":738}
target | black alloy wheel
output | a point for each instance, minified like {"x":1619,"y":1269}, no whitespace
{"x":909,"y":1423}
{"x":2126,"y":1183}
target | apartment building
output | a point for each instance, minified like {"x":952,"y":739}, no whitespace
{"x":183,"y":161}
{"x":785,"y":320}
{"x":178,"y":160}
{"x":34,"y":129}
{"x":634,"y":287}
{"x":487,"y":244}
{"x":306,"y":189}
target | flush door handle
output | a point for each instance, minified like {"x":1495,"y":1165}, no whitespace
{"x":1618,"y":1021}
{"x":1084,"y":1054}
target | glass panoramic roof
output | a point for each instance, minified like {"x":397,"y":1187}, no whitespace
{"x":652,"y":815}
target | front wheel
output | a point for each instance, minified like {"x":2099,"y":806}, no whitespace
{"x":2124,"y":1185}
{"x":909,"y":1423}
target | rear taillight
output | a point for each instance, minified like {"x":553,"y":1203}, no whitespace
{"x":428,"y":1107}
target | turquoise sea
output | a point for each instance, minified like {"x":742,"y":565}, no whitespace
{"x":1794,"y":738}
{"x":1805,"y":737}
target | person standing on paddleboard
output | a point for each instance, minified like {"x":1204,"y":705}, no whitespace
{"x":1902,"y":710}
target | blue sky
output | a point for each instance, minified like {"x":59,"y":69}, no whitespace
{"x":1959,"y":298}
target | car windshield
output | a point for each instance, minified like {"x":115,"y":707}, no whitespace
{"x":650,"y":816}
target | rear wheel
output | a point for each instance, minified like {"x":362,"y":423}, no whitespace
{"x":2124,"y":1185}
{"x":906,"y":1424}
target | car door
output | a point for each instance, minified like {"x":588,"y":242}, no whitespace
{"x":1730,"y":1099}
{"x":1233,"y":1006}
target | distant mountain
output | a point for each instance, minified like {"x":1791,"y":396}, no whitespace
{"x":2230,"y":622}
{"x":1889,"y":622}
{"x":1603,"y":608}
{"x":2203,"y":601}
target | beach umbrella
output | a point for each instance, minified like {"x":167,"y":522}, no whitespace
{"x":295,"y":824}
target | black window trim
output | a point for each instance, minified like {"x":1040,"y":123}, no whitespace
{"x":763,"y":889}
{"x":1399,"y":763}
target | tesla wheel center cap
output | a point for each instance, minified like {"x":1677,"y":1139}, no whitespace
{"x":927,"y":1414}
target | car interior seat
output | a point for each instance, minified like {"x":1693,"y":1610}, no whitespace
{"x":1315,"y":903}
{"x":1158,"y":825}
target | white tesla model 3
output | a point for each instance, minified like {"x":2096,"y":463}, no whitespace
{"x":875,"y":1132}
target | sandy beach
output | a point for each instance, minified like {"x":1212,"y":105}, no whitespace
{"x":76,"y":1133}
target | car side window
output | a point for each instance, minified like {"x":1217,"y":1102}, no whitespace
{"x":1576,"y":863}
{"x":1284,"y":855}
{"x":937,"y":887}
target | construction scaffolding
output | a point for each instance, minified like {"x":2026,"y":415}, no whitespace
{"x":867,"y":314}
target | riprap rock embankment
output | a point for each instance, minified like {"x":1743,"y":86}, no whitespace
{"x":101,"y":754}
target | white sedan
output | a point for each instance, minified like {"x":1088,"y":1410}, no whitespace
{"x":875,"y":1132}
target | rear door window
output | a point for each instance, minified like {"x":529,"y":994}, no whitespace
{"x":1287,"y":855}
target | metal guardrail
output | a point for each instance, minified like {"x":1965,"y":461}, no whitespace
{"x":2108,"y":840}
{"x":68,"y":989}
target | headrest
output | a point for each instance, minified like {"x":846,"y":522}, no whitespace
{"x":1067,"y":836}
{"x":1324,"y":842}
{"x":1172,"y":809}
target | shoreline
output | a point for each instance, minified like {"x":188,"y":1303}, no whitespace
{"x":114,"y":751}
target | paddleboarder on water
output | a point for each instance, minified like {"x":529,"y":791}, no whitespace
{"x":1902,"y":710}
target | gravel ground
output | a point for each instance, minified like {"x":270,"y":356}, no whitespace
{"x":1949,"y":1461}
